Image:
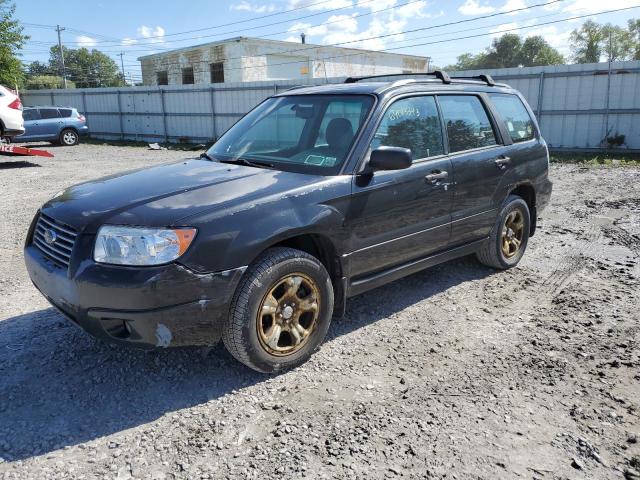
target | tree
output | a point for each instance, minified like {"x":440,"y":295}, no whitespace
{"x":617,"y":43}
{"x":39,"y":82}
{"x":586,"y":43}
{"x":11,"y":42}
{"x":87,"y":68}
{"x":536,"y":52}
{"x":510,"y":51}
{"x":634,"y":31}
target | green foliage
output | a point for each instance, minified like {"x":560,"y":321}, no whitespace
{"x":510,"y":51}
{"x":40,"y":82}
{"x":87,"y":68}
{"x":593,"y":42}
{"x":11,"y":42}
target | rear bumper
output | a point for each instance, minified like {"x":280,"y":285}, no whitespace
{"x":165,"y":306}
{"x":83,"y":131}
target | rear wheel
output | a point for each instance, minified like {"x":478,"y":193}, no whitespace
{"x":510,"y":236}
{"x":69,"y":137}
{"x":280,"y":312}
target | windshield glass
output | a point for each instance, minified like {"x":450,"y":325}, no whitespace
{"x":307,"y":134}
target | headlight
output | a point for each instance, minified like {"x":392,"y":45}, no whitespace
{"x":141,"y":246}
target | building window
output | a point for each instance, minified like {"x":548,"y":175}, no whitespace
{"x":217,"y":72}
{"x":163,"y":78}
{"x":187,"y":76}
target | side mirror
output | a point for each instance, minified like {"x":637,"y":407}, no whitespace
{"x":390,"y":158}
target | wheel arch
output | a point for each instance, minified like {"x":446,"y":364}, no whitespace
{"x":527,"y":192}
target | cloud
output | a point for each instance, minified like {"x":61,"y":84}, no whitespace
{"x":473,"y":7}
{"x":592,"y":6}
{"x":85,"y":41}
{"x":513,"y":5}
{"x":315,"y":5}
{"x":153,"y":34}
{"x":500,"y":29}
{"x":244,"y":6}
{"x":127,"y":42}
{"x":554,"y":37}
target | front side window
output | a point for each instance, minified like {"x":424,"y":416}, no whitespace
{"x":308,"y":134}
{"x":411,"y":123}
{"x":515,"y":116}
{"x":467,"y":122}
{"x":30,"y":114}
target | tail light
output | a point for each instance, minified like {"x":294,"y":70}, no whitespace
{"x":81,"y":118}
{"x":16,"y":104}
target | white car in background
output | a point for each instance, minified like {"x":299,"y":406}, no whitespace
{"x":11,"y":122}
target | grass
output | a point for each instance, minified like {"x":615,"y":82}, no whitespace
{"x":609,"y":159}
{"x":131,"y":143}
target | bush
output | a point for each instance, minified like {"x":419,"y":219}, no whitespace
{"x":41,"y":82}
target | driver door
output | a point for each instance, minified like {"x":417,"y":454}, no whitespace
{"x":402,"y":215}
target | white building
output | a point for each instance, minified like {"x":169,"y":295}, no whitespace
{"x":245,"y":59}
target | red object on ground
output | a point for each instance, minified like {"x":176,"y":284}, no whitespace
{"x":23,"y":151}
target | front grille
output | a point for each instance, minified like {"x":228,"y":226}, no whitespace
{"x":59,"y":250}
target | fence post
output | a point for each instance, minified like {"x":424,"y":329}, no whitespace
{"x":120,"y":115}
{"x":607,"y":107}
{"x":53,"y":101}
{"x":213,"y":113}
{"x":540,"y":96}
{"x":164,"y":116}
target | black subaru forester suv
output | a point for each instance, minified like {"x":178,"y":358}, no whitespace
{"x":316,"y":195}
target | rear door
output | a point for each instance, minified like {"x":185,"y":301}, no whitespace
{"x":478,"y":159}
{"x":397,"y":216}
{"x":50,"y":123}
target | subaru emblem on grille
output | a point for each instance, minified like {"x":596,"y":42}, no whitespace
{"x":50,"y":236}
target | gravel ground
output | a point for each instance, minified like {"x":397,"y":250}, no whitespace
{"x":455,"y":372}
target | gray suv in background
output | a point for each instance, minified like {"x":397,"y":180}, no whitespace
{"x":59,"y":125}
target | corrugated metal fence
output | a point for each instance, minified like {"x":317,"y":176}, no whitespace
{"x":578,"y":106}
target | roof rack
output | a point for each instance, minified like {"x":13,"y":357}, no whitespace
{"x":439,"y":74}
{"x":483,"y":78}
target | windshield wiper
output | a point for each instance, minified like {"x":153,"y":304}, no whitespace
{"x":207,"y":156}
{"x":250,"y":163}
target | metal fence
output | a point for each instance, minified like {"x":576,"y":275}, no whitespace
{"x":578,"y":106}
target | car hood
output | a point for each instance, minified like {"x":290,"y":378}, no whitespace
{"x":166,"y":194}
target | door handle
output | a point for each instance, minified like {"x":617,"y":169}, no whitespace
{"x":502,"y":162}
{"x":436,"y":175}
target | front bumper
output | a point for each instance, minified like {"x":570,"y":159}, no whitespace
{"x":164,"y":306}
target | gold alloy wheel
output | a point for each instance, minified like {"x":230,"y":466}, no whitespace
{"x":512,"y":233}
{"x":288,"y":314}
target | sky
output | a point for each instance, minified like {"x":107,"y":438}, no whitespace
{"x":417,"y":27}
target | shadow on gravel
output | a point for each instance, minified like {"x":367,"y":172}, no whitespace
{"x":17,"y":164}
{"x":59,"y":386}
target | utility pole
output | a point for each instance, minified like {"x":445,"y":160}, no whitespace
{"x":62,"y":69}
{"x":121,"y":55}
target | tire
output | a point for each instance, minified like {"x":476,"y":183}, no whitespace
{"x":273,"y":341}
{"x":493,"y":252}
{"x":69,"y":137}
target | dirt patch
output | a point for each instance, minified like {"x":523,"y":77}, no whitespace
{"x":455,"y":372}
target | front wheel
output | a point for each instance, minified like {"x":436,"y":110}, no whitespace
{"x":69,"y":138}
{"x":280,"y":312}
{"x":508,"y":241}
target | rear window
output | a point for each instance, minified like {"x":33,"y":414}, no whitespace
{"x":467,"y":122}
{"x":48,"y":113}
{"x":65,"y":112}
{"x":515,"y":116}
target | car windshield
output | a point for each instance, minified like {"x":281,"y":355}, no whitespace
{"x":307,"y":134}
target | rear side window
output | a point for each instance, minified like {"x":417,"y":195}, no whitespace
{"x":467,"y":122}
{"x":48,"y":113}
{"x":65,"y":112}
{"x":412,"y":123}
{"x":515,"y":116}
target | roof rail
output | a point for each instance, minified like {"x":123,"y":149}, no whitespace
{"x":439,"y":74}
{"x":483,"y":78}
